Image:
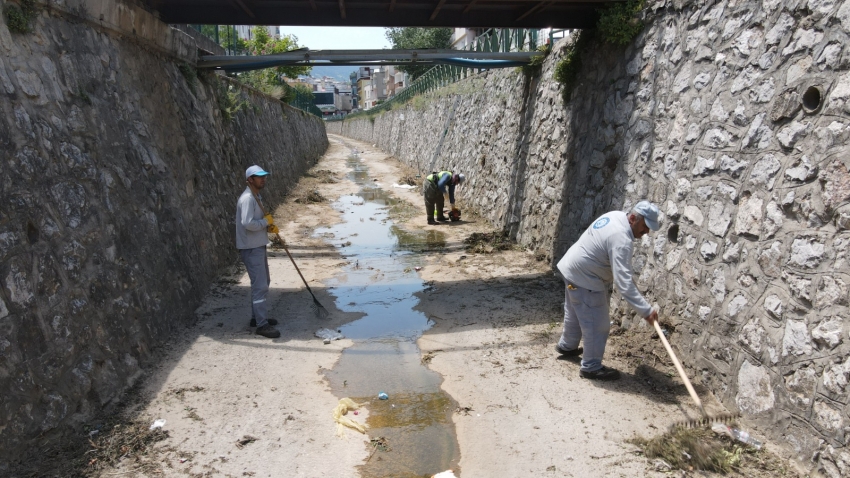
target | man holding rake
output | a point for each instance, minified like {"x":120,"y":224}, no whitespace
{"x":252,"y":229}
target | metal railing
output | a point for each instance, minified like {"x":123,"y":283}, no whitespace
{"x":224,"y":35}
{"x":493,"y":40}
{"x":302,"y":100}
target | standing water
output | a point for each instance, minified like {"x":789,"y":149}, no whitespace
{"x":412,"y":431}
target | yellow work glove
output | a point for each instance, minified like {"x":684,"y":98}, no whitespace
{"x":273,"y":229}
{"x":269,"y":219}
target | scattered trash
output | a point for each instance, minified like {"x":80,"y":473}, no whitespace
{"x":379,"y":443}
{"x":740,"y":435}
{"x":183,"y":460}
{"x":159,"y":423}
{"x":383,"y":396}
{"x":445,"y":474}
{"x":246,"y":439}
{"x":418,"y":268}
{"x":328,"y":335}
{"x":403,"y":186}
{"x":341,"y":409}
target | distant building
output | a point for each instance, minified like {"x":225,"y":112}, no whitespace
{"x":324,"y":100}
{"x":364,"y":79}
{"x":342,"y":100}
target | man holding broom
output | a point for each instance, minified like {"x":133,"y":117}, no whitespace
{"x":252,"y":228}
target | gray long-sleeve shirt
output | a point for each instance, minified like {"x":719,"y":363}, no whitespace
{"x":602,"y":255}
{"x":250,"y":225}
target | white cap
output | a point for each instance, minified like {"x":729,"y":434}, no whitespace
{"x":461,"y":178}
{"x":255,"y":171}
{"x":649,"y":212}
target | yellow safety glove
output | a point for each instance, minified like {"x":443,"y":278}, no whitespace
{"x":269,"y":219}
{"x":273,"y":229}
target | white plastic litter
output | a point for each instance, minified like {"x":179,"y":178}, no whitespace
{"x":445,"y":474}
{"x":159,"y":423}
{"x":328,"y":334}
{"x":403,"y":186}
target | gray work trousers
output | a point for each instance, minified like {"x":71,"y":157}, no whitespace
{"x":257,"y":264}
{"x":586,"y":317}
{"x":433,"y":199}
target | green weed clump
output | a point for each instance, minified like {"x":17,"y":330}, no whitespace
{"x":692,"y":449}
{"x":533,"y":67}
{"x":567,"y":70}
{"x":18,"y":18}
{"x":619,"y":22}
{"x":190,"y":74}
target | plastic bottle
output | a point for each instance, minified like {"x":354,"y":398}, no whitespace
{"x":744,"y":437}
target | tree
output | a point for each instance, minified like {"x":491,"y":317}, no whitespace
{"x":411,"y":38}
{"x":264,"y":44}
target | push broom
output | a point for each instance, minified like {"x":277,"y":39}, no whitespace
{"x":705,"y":419}
{"x":317,"y":306}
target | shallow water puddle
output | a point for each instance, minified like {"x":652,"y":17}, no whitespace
{"x":380,"y":282}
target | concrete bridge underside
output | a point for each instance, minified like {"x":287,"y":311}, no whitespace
{"x":397,"y":13}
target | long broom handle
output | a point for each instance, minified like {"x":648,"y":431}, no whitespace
{"x":678,"y":367}
{"x":283,"y":243}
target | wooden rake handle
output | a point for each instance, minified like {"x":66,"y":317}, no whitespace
{"x":283,"y":243}
{"x":679,"y":368}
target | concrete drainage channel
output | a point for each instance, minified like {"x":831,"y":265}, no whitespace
{"x":412,"y":431}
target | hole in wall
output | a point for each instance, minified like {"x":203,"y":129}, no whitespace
{"x":812,"y":99}
{"x":32,"y":233}
{"x":673,"y":233}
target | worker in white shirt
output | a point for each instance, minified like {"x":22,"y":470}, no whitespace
{"x":602,"y":255}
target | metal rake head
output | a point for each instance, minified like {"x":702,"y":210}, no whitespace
{"x":320,"y":310}
{"x":707,"y":420}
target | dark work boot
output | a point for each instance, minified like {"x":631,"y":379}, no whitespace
{"x":268,"y":331}
{"x":604,"y":373}
{"x":431,"y":220}
{"x":568,"y":353}
{"x":254,"y":322}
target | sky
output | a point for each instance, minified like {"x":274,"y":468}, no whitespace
{"x":338,"y":38}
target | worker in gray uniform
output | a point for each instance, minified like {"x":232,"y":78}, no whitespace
{"x":602,"y":255}
{"x":252,"y":228}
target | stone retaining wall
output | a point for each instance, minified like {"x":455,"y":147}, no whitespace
{"x":119,"y":178}
{"x":734,"y":116}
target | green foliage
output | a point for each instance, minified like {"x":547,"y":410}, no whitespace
{"x":230,"y":100}
{"x":619,"y":22}
{"x":18,"y":18}
{"x":412,"y":38}
{"x":190,"y":74}
{"x":533,"y":67}
{"x":270,"y":80}
{"x":264,"y":44}
{"x":567,"y":70}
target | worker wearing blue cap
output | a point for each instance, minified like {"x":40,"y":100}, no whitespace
{"x":602,"y":255}
{"x":252,"y":228}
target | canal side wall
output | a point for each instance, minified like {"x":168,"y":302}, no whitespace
{"x":119,"y":177}
{"x":704,"y":114}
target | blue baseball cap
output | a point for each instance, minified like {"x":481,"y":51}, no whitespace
{"x":255,"y":171}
